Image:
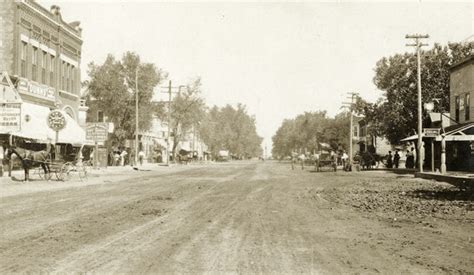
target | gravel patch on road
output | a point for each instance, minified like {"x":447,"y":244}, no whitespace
{"x":405,"y":198}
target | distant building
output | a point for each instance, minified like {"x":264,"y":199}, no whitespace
{"x":40,"y":54}
{"x":369,"y":142}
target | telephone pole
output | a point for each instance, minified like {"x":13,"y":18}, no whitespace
{"x":350,"y":105}
{"x":169,"y":92}
{"x":136,"y":117}
{"x":418,"y":44}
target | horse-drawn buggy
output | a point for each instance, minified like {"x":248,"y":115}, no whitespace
{"x":326,"y":161}
{"x":369,"y":160}
{"x":62,"y":160}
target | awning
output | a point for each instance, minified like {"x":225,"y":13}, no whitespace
{"x":461,"y":132}
{"x":412,"y":138}
{"x":34,"y":126}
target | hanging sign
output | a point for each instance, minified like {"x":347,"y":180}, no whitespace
{"x":56,"y":120}
{"x":431,"y":132}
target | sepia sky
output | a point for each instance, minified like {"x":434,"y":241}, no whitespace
{"x":279,"y":59}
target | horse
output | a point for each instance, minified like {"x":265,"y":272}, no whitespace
{"x":30,"y":159}
{"x":369,"y":160}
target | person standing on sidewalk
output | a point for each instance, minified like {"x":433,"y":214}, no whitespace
{"x":389,"y":160}
{"x":123,"y":155}
{"x":396,"y":159}
{"x":141,"y":156}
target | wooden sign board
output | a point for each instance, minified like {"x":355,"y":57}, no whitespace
{"x":431,"y":132}
{"x":97,"y":131}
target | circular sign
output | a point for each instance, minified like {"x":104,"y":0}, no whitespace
{"x":56,"y":120}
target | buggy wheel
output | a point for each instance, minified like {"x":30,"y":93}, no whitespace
{"x":65,"y":171}
{"x":42,"y":174}
{"x":82,"y":170}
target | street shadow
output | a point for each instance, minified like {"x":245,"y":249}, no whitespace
{"x":452,"y":194}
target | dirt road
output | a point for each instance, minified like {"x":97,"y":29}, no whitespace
{"x":244,"y":217}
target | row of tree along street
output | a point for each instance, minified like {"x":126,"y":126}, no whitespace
{"x":112,"y":89}
{"x":393,"y":116}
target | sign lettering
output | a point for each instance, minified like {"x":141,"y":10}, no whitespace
{"x":97,"y":132}
{"x":10,"y":117}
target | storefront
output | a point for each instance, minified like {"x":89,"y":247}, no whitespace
{"x":26,"y":122}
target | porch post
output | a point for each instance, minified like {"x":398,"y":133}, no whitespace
{"x":443,"y":155}
{"x":432,"y":156}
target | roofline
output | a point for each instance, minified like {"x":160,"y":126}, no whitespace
{"x":462,"y":62}
{"x":44,"y":12}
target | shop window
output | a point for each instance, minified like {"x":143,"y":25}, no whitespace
{"x":467,"y":108}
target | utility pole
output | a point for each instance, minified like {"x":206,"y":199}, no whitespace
{"x":136,"y":116}
{"x":418,"y":45}
{"x":350,"y":105}
{"x":169,"y":92}
{"x":169,"y":126}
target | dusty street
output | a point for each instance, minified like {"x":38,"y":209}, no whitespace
{"x":246,"y":217}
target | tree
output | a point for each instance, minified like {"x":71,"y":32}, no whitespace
{"x":187,"y":111}
{"x":232,"y":129}
{"x":308,"y":130}
{"x":112,"y":90}
{"x":397,"y":76}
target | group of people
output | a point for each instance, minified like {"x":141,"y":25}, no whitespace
{"x":393,"y":161}
{"x":122,"y":157}
{"x":339,"y":158}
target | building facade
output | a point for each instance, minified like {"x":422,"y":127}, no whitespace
{"x":459,"y":137}
{"x":41,"y":54}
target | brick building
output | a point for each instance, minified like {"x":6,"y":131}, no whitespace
{"x":40,"y":54}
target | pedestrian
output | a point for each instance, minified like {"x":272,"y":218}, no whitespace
{"x":389,"y":160}
{"x":396,"y":159}
{"x":123,"y":157}
{"x":409,"y":162}
{"x":116,"y":158}
{"x":141,"y":156}
{"x":294,"y":157}
{"x":302,"y":158}
{"x":344,"y":159}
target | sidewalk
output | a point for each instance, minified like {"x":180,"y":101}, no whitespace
{"x":110,"y":175}
{"x":459,"y":179}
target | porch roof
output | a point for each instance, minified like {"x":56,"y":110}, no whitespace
{"x":459,"y":132}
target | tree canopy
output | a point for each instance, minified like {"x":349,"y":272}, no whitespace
{"x":187,"y":112}
{"x":397,"y":77}
{"x":114,"y":82}
{"x":231,"y":129}
{"x":308,"y":130}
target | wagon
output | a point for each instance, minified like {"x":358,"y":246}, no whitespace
{"x":325,"y":161}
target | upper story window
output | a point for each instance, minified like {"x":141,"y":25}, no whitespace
{"x":23,"y":54}
{"x":34,"y":62}
{"x":44,"y":62}
{"x":100,"y":116}
{"x":456,"y":108}
{"x":51,"y":70}
{"x":467,"y":107}
{"x":356,"y":131}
